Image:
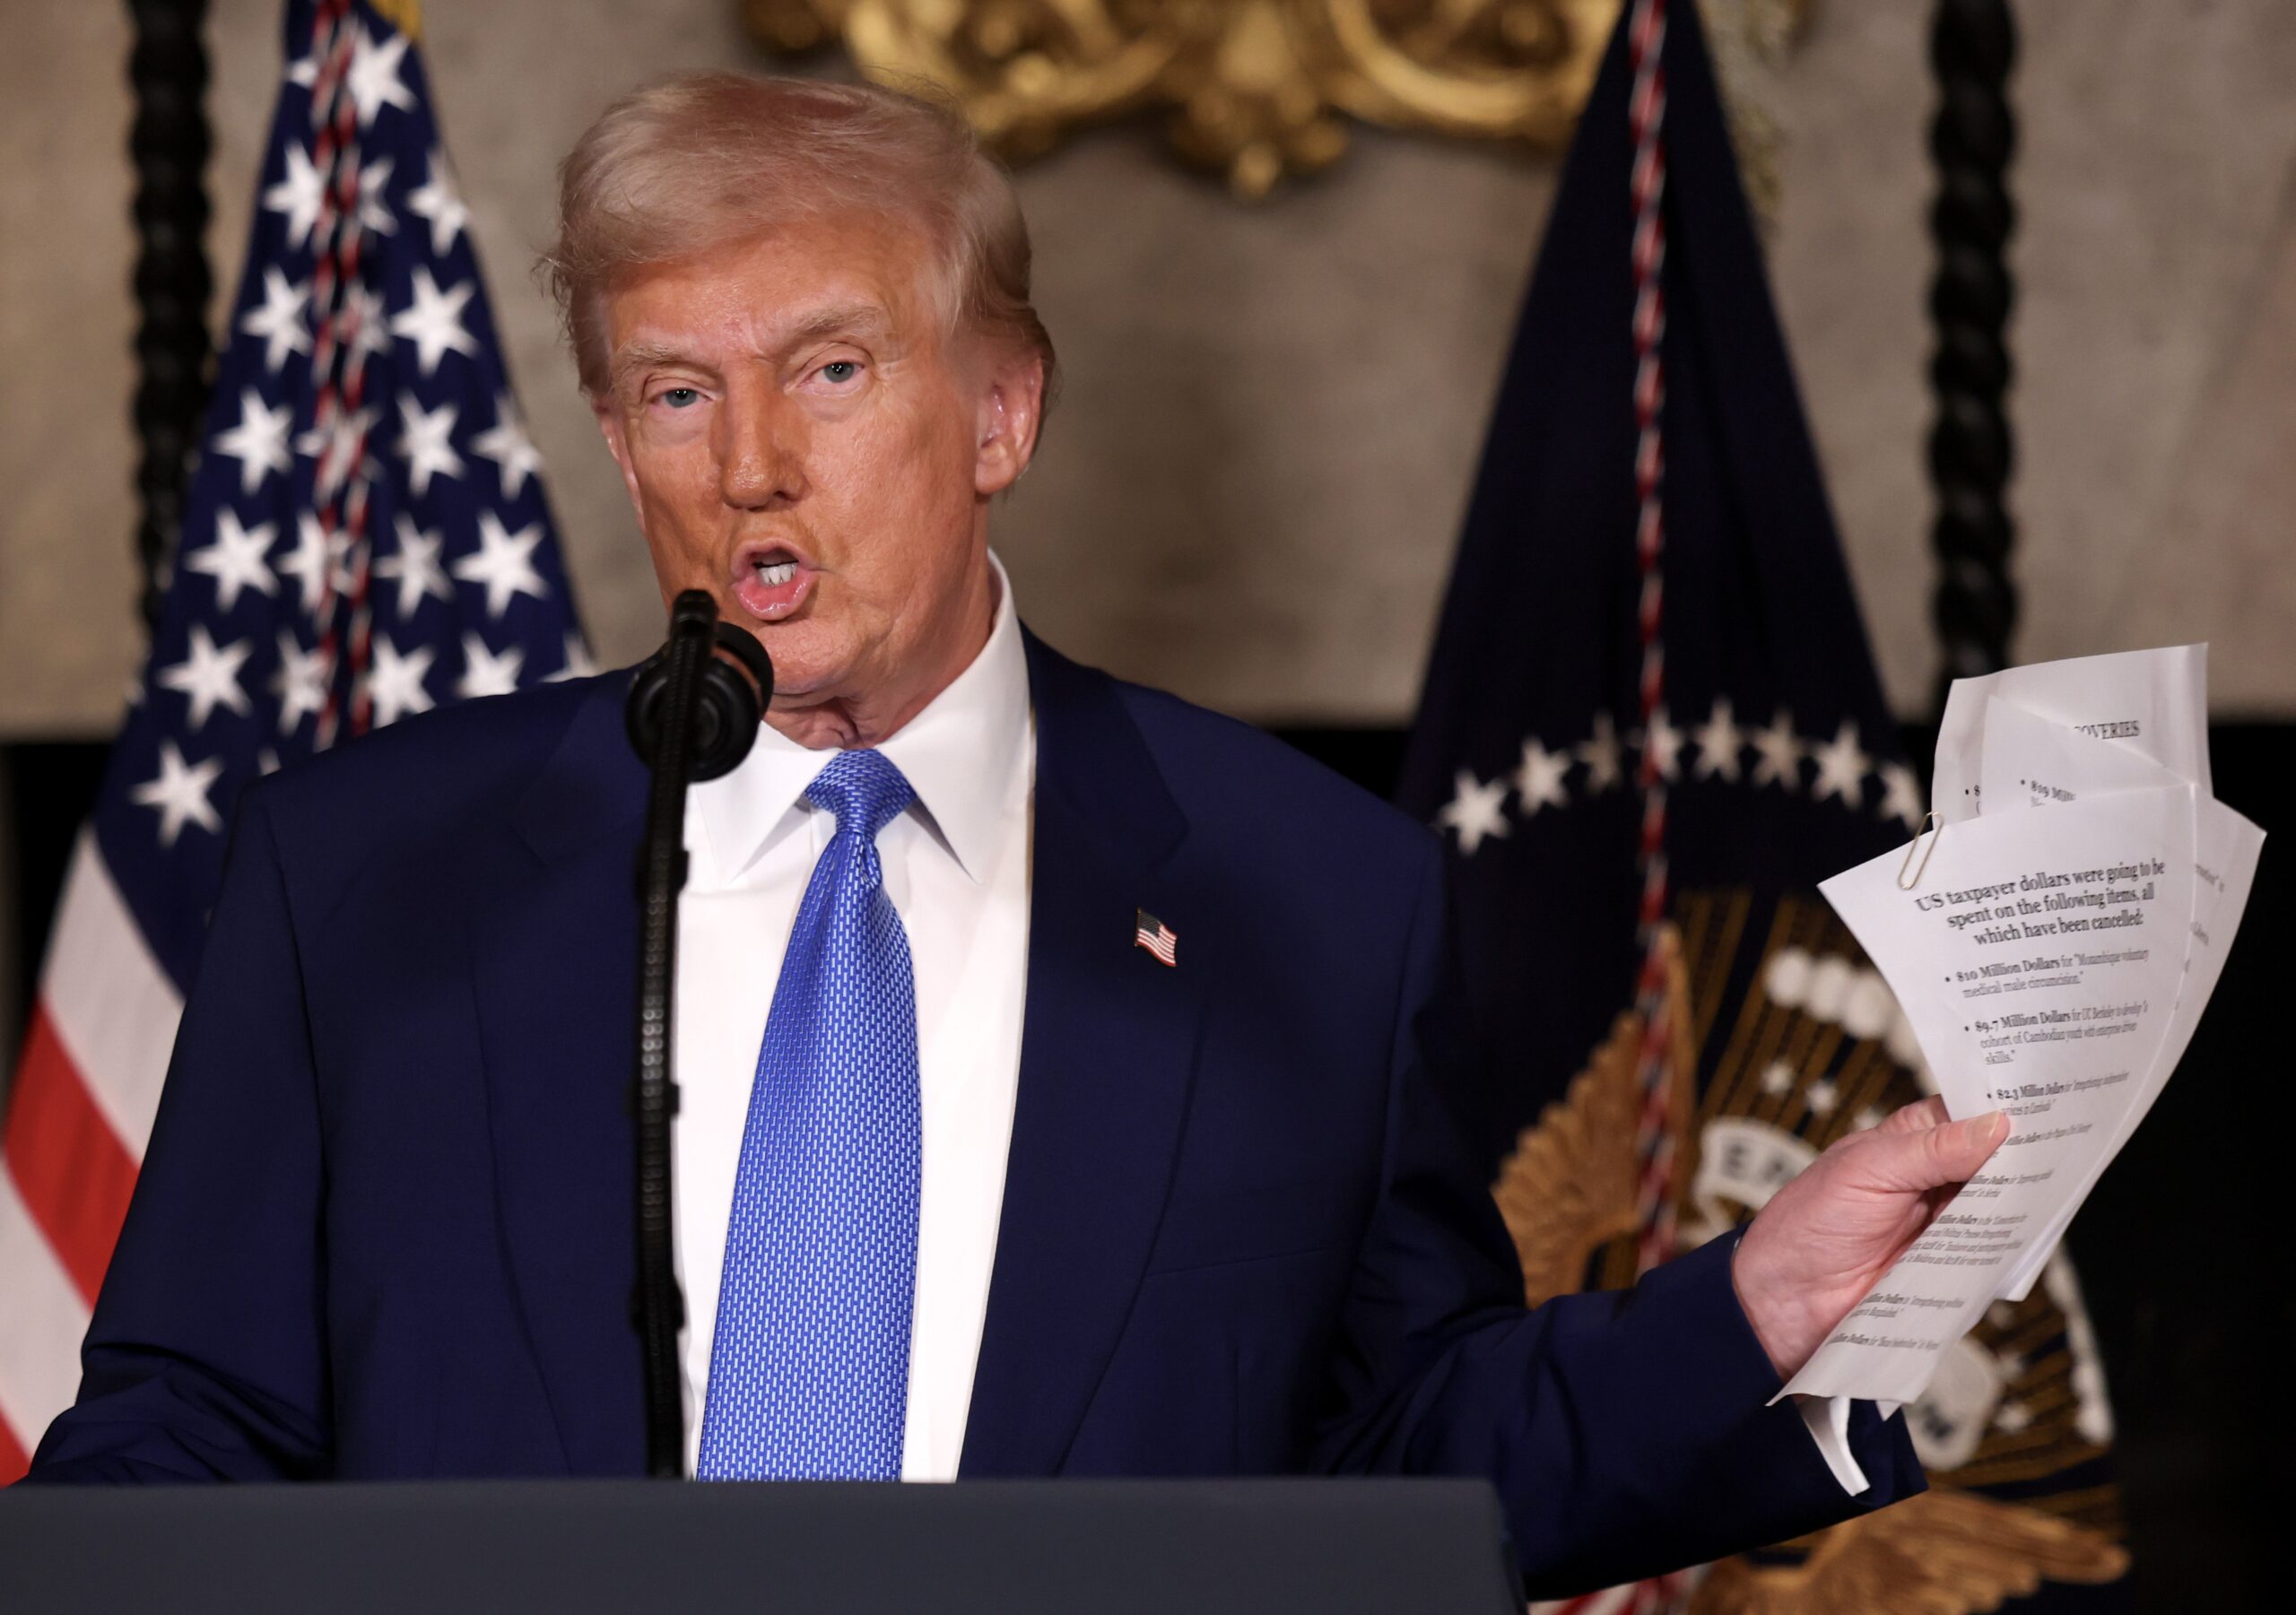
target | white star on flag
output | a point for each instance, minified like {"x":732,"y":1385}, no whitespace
{"x":1718,"y":739}
{"x":374,"y":199}
{"x":339,"y":440}
{"x":426,"y":442}
{"x":180,"y":794}
{"x":299,"y":195}
{"x":1821,"y":1096}
{"x":1476,"y":811}
{"x":506,"y":444}
{"x":373,"y":78}
{"x":1777,"y":1077}
{"x":415,"y":567}
{"x":394,"y":682}
{"x":369,"y":332}
{"x":280,"y":321}
{"x":485,"y":673}
{"x":1841,"y":767}
{"x":208,"y":677}
{"x":1665,"y":746}
{"x":504,"y":563}
{"x":1902,"y":795}
{"x":437,"y":200}
{"x":235,"y":559}
{"x":344,"y":578}
{"x":433,"y":321}
{"x":578,"y":664}
{"x":1778,"y":753}
{"x":300,"y":683}
{"x":313,"y":563}
{"x":1600,"y":752}
{"x":259,"y":441}
{"x":1539,"y":782}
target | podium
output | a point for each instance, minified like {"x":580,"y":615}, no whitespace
{"x":580,"y":1547}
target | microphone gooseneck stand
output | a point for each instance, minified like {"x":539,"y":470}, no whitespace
{"x":691,"y":716}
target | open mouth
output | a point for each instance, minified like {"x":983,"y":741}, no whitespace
{"x":771,"y":580}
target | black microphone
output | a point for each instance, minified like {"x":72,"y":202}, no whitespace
{"x":692,"y":714}
{"x":729,"y":707}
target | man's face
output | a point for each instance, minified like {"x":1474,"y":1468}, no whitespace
{"x":802,"y":439}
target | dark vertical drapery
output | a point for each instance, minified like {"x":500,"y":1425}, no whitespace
{"x":168,"y":145}
{"x":1972,"y":47}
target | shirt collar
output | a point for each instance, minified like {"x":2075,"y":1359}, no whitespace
{"x":958,"y":754}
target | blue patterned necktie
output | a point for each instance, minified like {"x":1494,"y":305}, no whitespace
{"x":809,"y":1368}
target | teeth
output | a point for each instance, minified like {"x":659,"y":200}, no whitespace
{"x":777,"y":574}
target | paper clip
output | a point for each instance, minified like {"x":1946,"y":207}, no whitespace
{"x":1932,"y":824}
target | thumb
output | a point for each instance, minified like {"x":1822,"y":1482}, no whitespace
{"x":1952,"y":1153}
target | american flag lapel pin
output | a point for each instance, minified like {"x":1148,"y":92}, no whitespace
{"x":1150,"y":932}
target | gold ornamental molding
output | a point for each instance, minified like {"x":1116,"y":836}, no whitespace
{"x":1258,"y":88}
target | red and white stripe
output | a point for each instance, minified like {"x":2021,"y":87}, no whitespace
{"x":338,"y":238}
{"x":1653,"y":1131}
{"x":1655,"y":1596}
{"x":1660,"y":1592}
{"x":79,"y":1115}
{"x":1646,"y":115}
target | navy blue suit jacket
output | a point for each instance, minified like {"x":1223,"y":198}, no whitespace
{"x":385,"y":1225}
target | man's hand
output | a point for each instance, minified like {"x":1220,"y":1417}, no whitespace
{"x":1817,"y":1247}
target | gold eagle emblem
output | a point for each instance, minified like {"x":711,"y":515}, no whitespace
{"x":1945,"y":1553}
{"x":1568,"y":1189}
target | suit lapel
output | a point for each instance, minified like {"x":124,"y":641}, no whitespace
{"x":556,"y":966}
{"x":1107,"y":1055}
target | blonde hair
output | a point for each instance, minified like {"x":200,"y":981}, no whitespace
{"x":692,"y":162}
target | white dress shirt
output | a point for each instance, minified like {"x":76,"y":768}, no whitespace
{"x":956,"y":866}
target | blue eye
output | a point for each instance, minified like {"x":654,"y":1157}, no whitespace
{"x":839,"y":371}
{"x":678,"y":397}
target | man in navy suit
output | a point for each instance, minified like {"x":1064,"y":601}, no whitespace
{"x":1068,"y":1072}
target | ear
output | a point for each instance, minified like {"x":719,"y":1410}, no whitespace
{"x":1010,"y":408}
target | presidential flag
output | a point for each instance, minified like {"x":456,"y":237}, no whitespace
{"x":1650,"y":724}
{"x":367,"y":537}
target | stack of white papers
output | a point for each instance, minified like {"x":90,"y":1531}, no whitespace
{"x":2052,"y":938}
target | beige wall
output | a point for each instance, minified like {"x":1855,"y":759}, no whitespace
{"x":1250,"y":492}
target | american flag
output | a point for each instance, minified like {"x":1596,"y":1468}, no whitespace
{"x":1150,"y":932}
{"x":367,"y":537}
